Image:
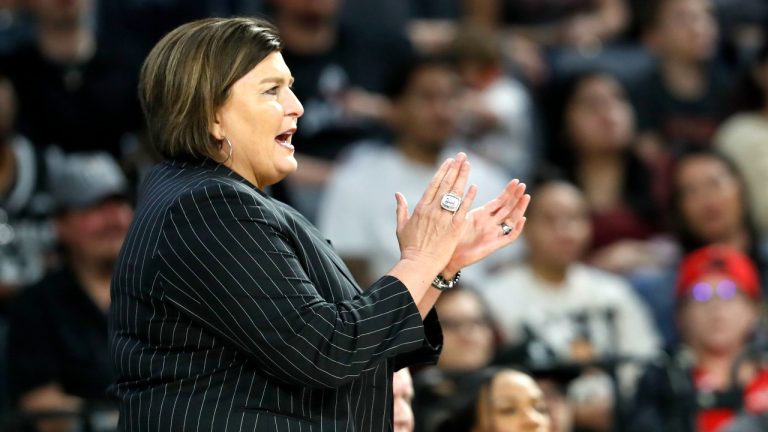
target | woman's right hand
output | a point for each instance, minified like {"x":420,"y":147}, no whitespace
{"x":429,"y":236}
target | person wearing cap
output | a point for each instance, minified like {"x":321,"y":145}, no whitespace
{"x":57,"y":338}
{"x":710,"y":379}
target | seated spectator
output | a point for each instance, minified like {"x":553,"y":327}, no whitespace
{"x":593,"y":146}
{"x":425,"y":111}
{"x":497,"y":121}
{"x":742,"y":137}
{"x":468,"y":346}
{"x":511,"y":401}
{"x":505,"y":401}
{"x":535,"y":25}
{"x":72,"y":92}
{"x":681,"y":101}
{"x":710,"y":205}
{"x":27,"y":237}
{"x":339,"y":76}
{"x":567,"y":312}
{"x":402,"y":397}
{"x":57,"y":340}
{"x":707,"y":383}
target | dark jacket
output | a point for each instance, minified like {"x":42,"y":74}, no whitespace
{"x":231,"y":312}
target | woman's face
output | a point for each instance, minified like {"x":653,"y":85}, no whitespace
{"x":598,"y":116}
{"x":467,"y":335}
{"x":558,"y":229}
{"x":716,"y":317}
{"x":512,"y":403}
{"x":259,"y":119}
{"x":710,"y":198}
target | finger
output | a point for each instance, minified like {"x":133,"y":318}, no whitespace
{"x":494,"y":205}
{"x":401,"y":211}
{"x":519,"y":210}
{"x":461,"y":180}
{"x":466,"y":203}
{"x":450,"y":177}
{"x":512,"y":203}
{"x":434,"y":184}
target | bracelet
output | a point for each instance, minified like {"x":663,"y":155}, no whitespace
{"x":442,"y":284}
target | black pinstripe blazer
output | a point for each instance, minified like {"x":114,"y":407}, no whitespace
{"x":231,"y":312}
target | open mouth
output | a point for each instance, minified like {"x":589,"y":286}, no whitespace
{"x":284,"y":139}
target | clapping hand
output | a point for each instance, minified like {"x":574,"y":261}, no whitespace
{"x":490,"y":227}
{"x":429,"y":236}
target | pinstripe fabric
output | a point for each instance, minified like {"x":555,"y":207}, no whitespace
{"x":231,"y":312}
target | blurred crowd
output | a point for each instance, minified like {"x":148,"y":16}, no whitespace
{"x":634,"y":302}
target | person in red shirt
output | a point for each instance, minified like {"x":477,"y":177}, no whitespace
{"x":710,"y":383}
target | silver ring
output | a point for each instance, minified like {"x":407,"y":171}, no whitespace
{"x":450,"y":202}
{"x":505,"y":229}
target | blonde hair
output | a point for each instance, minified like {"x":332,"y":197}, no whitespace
{"x":188,"y":75}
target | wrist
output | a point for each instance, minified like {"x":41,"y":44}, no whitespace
{"x":449,"y":272}
{"x":442,"y":283}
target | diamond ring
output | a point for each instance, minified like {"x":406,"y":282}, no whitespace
{"x":450,"y":202}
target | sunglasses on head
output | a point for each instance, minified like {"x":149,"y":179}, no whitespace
{"x":704,"y":291}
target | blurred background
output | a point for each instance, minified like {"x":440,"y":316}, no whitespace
{"x":639,"y":126}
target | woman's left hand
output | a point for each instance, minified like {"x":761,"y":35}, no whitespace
{"x":484,"y":233}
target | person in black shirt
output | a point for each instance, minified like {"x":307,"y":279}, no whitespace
{"x":339,"y":74}
{"x":57,"y":337}
{"x":73,"y":92}
{"x":682,"y":100}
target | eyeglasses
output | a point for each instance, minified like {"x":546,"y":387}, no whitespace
{"x":703,"y":292}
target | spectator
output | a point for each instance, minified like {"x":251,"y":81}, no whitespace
{"x":340,"y":73}
{"x":710,"y":205}
{"x":682,"y":100}
{"x":593,"y":147}
{"x":566,"y":312}
{"x":57,"y":337}
{"x":511,"y":401}
{"x":498,"y":116}
{"x":506,"y":400}
{"x":468,"y":346}
{"x":27,"y":236}
{"x":534,"y":26}
{"x":72,"y":92}
{"x":742,"y":138}
{"x":402,"y":393}
{"x":704,"y":384}
{"x":425,"y":100}
{"x":576,"y":311}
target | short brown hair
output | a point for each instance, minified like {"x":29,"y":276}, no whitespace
{"x":188,"y":75}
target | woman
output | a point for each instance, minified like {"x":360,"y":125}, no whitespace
{"x":506,"y":400}
{"x":743,"y":136}
{"x":595,"y":153}
{"x":230,"y":311}
{"x":710,"y":204}
{"x":469,"y":345}
{"x":511,"y":402}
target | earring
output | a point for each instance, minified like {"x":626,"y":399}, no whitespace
{"x":229,"y":156}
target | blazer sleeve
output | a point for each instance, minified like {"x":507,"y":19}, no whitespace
{"x":225,"y":263}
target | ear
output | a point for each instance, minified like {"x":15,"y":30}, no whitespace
{"x":216,"y":128}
